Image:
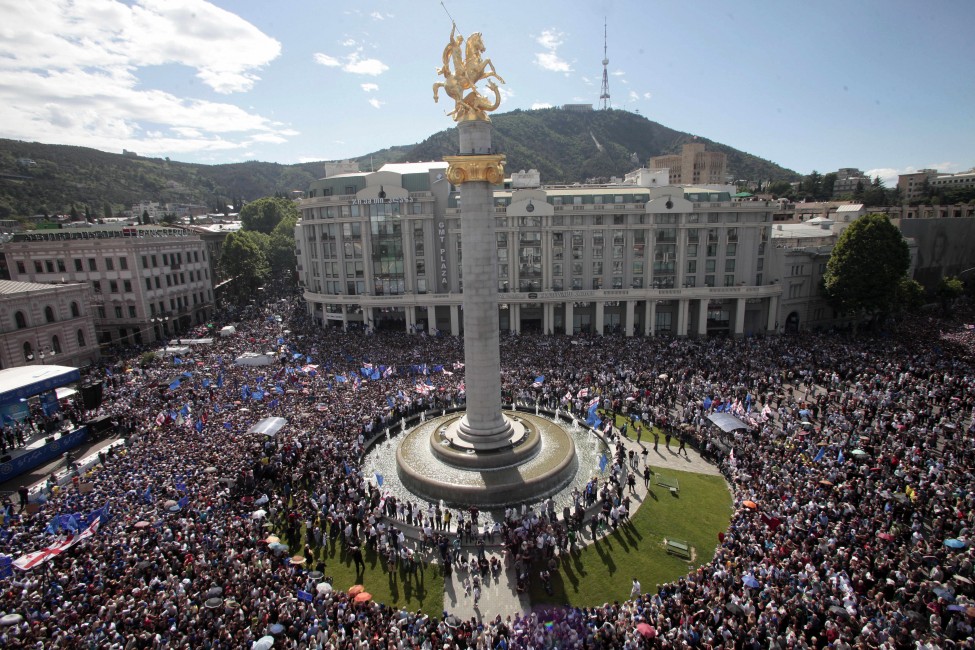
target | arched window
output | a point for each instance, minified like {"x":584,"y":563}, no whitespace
{"x":28,"y":352}
{"x":81,"y":338}
{"x":49,"y":314}
{"x":56,"y":344}
{"x":21,"y":320}
{"x":75,"y":312}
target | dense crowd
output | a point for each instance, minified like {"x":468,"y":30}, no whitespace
{"x":852,"y":473}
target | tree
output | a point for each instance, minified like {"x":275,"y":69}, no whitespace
{"x":949,"y":289}
{"x":866,"y":266}
{"x":264,"y":214}
{"x":826,"y":187}
{"x":811,"y":185}
{"x":281,"y":246}
{"x":75,"y":216}
{"x":108,"y":210}
{"x":910,"y":294}
{"x":244,"y":262}
{"x":145,"y":218}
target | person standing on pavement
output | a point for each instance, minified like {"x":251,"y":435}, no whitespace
{"x":683,"y":444}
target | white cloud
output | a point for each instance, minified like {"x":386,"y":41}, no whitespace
{"x":376,"y":15}
{"x":506,"y":94}
{"x":634,"y":96}
{"x":648,"y":95}
{"x":353,"y":64}
{"x":371,"y":67}
{"x":349,"y":42}
{"x":617,"y":73}
{"x":549,"y":59}
{"x":369,"y":87}
{"x":375,"y":103}
{"x":326,"y":60}
{"x":71,"y":74}
{"x":538,"y":105}
{"x":586,"y":80}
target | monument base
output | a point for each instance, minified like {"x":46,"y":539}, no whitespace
{"x":540,"y":461}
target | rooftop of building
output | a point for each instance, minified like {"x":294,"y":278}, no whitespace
{"x":413,"y":167}
{"x":12,"y":287}
{"x":99,"y":232}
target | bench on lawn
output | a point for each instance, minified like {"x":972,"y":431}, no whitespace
{"x":667,"y":482}
{"x":679,"y":548}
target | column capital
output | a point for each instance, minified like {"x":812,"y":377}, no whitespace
{"x":481,"y":167}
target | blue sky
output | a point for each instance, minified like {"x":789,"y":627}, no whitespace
{"x":883,"y":85}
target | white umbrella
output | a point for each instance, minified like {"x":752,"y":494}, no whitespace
{"x":323,"y":587}
{"x":259,"y":514}
{"x":264,"y":643}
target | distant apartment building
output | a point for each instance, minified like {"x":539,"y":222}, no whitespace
{"x":847,"y":180}
{"x":959,"y":181}
{"x":694,"y":166}
{"x":148,"y":283}
{"x":912,"y":185}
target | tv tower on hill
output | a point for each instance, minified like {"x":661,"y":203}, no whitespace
{"x":604,"y":93}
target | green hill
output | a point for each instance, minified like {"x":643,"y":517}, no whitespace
{"x":565,"y":146}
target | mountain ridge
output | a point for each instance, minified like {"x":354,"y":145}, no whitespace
{"x":566,"y":146}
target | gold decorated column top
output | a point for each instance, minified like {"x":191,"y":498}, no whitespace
{"x":484,"y":167}
{"x":467,"y":70}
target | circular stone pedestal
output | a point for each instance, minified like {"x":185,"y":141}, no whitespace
{"x":541,"y":460}
{"x":449,"y":444}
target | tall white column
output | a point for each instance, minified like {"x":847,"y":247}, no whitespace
{"x":569,"y":318}
{"x":650,"y":327}
{"x":410,"y":319}
{"x":514,"y":312}
{"x":739,"y":317}
{"x":682,"y":306}
{"x":599,"y":317}
{"x":702,"y":317}
{"x":628,"y":315}
{"x":454,"y":320}
{"x":483,"y":426}
{"x":773,"y":313}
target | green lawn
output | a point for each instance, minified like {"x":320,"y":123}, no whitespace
{"x":603,"y":571}
{"x":423,"y":591}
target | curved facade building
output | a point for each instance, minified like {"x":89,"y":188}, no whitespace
{"x":382,"y":250}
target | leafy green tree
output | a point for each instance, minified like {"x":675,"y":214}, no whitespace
{"x":812,"y":185}
{"x":826,"y":186}
{"x":949,"y":289}
{"x":244,"y":261}
{"x":264,"y":214}
{"x":75,"y":216}
{"x":779,"y":188}
{"x":866,"y":267}
{"x":145,"y":218}
{"x":281,"y":246}
{"x":108,"y":210}
{"x":910,"y":294}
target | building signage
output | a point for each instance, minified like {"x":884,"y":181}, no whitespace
{"x":376,"y":201}
{"x":443,"y":281}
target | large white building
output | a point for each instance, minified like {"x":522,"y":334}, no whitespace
{"x":382,"y":250}
{"x":148,"y":283}
{"x":45,"y":323}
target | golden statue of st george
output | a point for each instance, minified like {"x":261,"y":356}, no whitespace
{"x":468,"y":69}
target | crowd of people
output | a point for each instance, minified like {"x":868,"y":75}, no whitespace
{"x":852,"y":472}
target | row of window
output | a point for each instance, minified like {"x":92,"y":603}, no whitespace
{"x":58,"y":265}
{"x":30,"y":354}
{"x":20,"y":319}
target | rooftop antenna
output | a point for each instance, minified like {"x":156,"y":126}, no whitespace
{"x":604,"y":93}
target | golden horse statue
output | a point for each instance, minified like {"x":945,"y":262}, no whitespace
{"x":467,"y":71}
